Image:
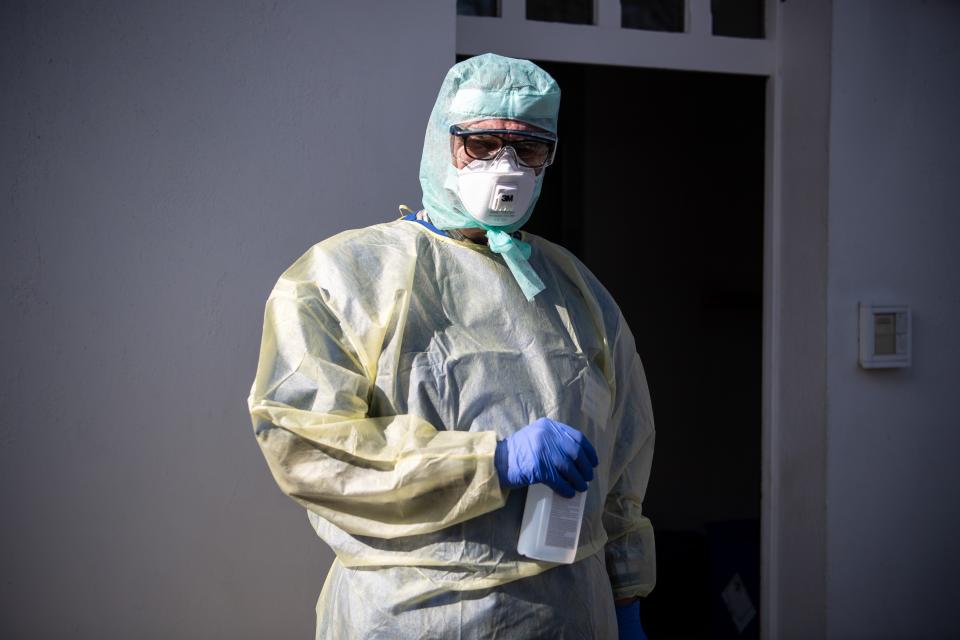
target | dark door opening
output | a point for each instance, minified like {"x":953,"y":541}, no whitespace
{"x":658,"y":188}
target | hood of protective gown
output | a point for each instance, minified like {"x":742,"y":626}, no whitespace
{"x":486,"y":86}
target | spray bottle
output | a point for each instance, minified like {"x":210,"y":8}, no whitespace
{"x":551,"y":525}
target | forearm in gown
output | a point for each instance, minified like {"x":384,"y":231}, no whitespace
{"x":376,"y":476}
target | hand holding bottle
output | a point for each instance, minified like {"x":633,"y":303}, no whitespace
{"x":549,"y":452}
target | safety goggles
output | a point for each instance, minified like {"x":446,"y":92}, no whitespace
{"x":533,"y":149}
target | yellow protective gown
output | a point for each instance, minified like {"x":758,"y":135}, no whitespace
{"x":392,"y":360}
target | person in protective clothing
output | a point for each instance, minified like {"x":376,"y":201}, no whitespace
{"x":415,"y":376}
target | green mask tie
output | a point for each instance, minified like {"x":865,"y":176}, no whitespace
{"x":516,"y":253}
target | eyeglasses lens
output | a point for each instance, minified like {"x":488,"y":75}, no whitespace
{"x":530,"y":153}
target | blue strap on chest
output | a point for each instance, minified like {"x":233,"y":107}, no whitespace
{"x":412,"y":217}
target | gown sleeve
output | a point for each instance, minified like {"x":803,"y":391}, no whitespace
{"x":630,"y":552}
{"x":382,"y":476}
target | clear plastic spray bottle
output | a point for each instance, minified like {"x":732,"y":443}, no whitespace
{"x":551,"y":525}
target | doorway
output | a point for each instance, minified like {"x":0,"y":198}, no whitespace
{"x":658,"y":187}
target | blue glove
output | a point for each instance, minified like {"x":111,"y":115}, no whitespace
{"x":549,"y":452}
{"x":628,"y":621}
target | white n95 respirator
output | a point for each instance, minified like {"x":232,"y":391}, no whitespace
{"x":496,"y":192}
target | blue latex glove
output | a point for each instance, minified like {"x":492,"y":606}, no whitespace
{"x":549,"y":452}
{"x":628,"y":621}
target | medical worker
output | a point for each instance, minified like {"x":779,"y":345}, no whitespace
{"x":416,"y":376}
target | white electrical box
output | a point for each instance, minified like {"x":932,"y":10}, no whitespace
{"x":884,"y":335}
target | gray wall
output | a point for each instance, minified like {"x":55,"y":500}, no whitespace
{"x":893,"y":487}
{"x":160,"y":164}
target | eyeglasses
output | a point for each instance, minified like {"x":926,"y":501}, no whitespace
{"x":533,"y":149}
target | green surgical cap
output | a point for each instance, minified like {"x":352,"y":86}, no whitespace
{"x":486,"y":86}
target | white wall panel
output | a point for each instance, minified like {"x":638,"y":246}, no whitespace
{"x":160,"y":164}
{"x":893,"y":485}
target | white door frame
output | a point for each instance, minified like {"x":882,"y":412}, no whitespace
{"x":795,"y":58}
{"x":605,"y":42}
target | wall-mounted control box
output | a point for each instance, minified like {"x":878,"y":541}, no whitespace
{"x":884,"y":335}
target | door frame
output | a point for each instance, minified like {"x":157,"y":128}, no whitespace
{"x":794,"y":56}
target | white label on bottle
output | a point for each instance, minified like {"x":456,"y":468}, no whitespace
{"x":596,"y":400}
{"x":564,"y":523}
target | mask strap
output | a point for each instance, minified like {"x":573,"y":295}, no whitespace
{"x":516,"y":254}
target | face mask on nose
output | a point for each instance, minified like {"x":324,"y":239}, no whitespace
{"x":496,"y":192}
